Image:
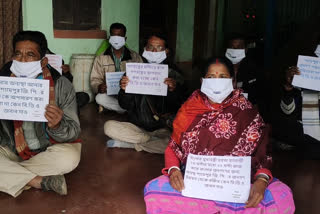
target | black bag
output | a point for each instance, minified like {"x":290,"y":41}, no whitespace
{"x":144,"y":116}
{"x":166,"y":119}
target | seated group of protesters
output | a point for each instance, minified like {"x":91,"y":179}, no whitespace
{"x":150,"y":116}
{"x":217,"y":119}
{"x":220,"y":119}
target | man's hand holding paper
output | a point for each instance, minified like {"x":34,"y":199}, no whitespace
{"x":151,"y":79}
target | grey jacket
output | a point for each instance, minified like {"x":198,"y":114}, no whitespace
{"x":69,"y":129}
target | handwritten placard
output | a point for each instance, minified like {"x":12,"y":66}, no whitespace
{"x":219,"y":178}
{"x":55,"y":61}
{"x":113,"y":82}
{"x":147,"y":78}
{"x":23,"y":99}
{"x":310,"y":73}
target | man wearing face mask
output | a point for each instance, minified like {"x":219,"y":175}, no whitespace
{"x":114,"y":59}
{"x":292,"y":124}
{"x":149,"y":116}
{"x":247,"y":76}
{"x":37,"y":154}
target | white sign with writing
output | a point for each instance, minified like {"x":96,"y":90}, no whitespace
{"x":113,"y":82}
{"x":55,"y":61}
{"x":219,"y":178}
{"x":23,"y":99}
{"x":310,"y":73}
{"x":145,"y":78}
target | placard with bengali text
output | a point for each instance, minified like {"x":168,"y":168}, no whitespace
{"x":219,"y":178}
{"x":23,"y":99}
{"x":145,"y":78}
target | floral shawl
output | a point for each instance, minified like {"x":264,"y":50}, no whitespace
{"x":232,"y":128}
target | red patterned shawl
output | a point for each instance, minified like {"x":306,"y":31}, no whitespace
{"x":232,"y":128}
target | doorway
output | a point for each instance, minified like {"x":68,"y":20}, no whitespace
{"x":158,"y":16}
{"x":205,"y":30}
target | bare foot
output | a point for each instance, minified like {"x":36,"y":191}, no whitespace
{"x":36,"y":182}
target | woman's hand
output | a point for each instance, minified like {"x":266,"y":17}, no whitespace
{"x":124,"y":82}
{"x":176,"y":180}
{"x":290,"y":72}
{"x":54,"y":116}
{"x":256,"y":193}
{"x":171,"y":83}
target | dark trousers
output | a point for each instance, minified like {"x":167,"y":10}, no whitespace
{"x":82,"y":100}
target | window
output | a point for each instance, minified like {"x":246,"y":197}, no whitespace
{"x":77,"y":14}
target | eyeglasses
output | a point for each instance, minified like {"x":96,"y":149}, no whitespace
{"x":28,"y":57}
{"x":152,"y":48}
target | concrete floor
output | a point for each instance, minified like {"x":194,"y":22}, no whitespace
{"x":112,"y":180}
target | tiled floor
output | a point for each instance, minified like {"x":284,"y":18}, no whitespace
{"x":112,"y":180}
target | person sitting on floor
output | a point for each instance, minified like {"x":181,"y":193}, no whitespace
{"x":36,"y":154}
{"x":296,"y":124}
{"x":114,"y":59}
{"x":149,"y":116}
{"x":218,"y":120}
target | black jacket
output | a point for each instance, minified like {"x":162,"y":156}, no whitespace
{"x":142,"y":108}
{"x":285,"y":123}
{"x":249,"y":79}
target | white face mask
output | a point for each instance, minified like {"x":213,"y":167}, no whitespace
{"x":317,"y":51}
{"x":154,"y":57}
{"x":217,"y":89}
{"x":117,"y":42}
{"x":235,"y":55}
{"x":26,"y":69}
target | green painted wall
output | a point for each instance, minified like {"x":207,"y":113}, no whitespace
{"x":185,"y":30}
{"x":37,"y":15}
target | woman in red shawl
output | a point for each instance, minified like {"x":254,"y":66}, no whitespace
{"x":218,"y":120}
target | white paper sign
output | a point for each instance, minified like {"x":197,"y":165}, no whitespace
{"x":145,"y":78}
{"x":113,"y":82}
{"x":246,"y":95}
{"x":310,"y":73}
{"x":219,"y":178}
{"x":23,"y":99}
{"x":55,"y":61}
